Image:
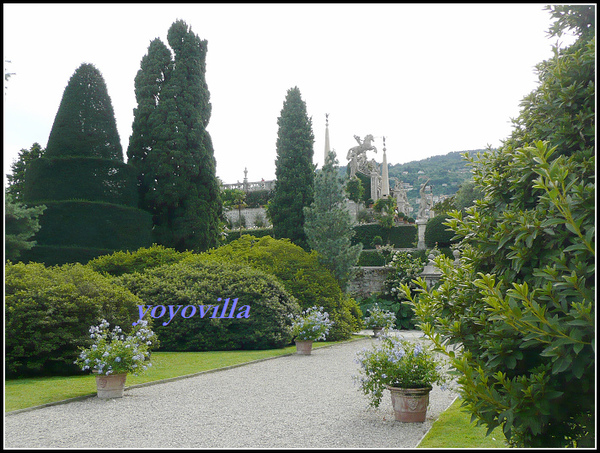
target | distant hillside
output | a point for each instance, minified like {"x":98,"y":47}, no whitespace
{"x":446,"y":173}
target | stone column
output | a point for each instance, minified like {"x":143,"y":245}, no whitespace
{"x":421,"y":224}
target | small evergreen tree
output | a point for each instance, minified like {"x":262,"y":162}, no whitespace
{"x":17,"y":178}
{"x":294,"y":170}
{"x":328,"y":225}
{"x":355,"y":189}
{"x":20,"y":225}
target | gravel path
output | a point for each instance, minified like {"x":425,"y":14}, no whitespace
{"x":288,"y":402}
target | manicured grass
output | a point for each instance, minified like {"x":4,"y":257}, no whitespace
{"x":453,"y":429}
{"x":23,"y":393}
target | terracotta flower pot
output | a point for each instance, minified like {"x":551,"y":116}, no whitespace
{"x":303,"y":347}
{"x":110,"y":386}
{"x":410,"y":405}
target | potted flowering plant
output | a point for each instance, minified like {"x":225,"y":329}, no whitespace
{"x":407,"y":369}
{"x":379,"y":319}
{"x":113,"y":355}
{"x":312,"y":325}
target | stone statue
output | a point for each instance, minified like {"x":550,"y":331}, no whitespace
{"x":424,"y":204}
{"x":358,"y":155}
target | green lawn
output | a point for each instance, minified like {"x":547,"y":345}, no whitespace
{"x":453,"y":429}
{"x":23,"y":393}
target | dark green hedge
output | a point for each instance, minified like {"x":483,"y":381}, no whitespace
{"x":48,"y":311}
{"x":438,"y":233}
{"x":404,"y":236}
{"x":82,"y":178}
{"x":196,"y":282}
{"x":52,"y":255}
{"x":94,"y":225}
{"x":77,"y":231}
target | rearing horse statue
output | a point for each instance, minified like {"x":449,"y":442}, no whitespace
{"x":358,"y":154}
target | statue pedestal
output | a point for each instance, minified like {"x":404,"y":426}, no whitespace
{"x":421,"y":224}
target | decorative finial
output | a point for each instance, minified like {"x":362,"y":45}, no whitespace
{"x":326,"y":119}
{"x":384,"y":144}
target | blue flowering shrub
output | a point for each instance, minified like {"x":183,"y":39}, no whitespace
{"x":379,"y":317}
{"x":313,"y":324}
{"x":398,"y":363}
{"x":114,"y":353}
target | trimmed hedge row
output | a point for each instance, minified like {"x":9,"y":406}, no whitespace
{"x":48,"y":311}
{"x":84,"y":178}
{"x":194,"y":282}
{"x":69,"y":228}
{"x":404,"y":236}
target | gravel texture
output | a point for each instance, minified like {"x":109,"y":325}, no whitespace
{"x":289,"y":402}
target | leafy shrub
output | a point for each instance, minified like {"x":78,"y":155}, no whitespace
{"x":198,"y":282}
{"x":49,"y":311}
{"x":120,"y":263}
{"x":301,"y":273}
{"x":370,"y":258}
{"x":402,"y":310}
{"x":522,"y":302}
{"x":436,"y":233}
{"x":256,"y":232}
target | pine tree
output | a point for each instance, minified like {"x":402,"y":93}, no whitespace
{"x":328,"y":225}
{"x":171,"y":147}
{"x":20,"y":224}
{"x":294,"y":170}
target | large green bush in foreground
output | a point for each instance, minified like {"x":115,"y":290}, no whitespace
{"x":522,"y":303}
{"x":49,"y":311}
{"x":301,"y":274}
{"x":197,"y":282}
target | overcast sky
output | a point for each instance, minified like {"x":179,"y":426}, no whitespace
{"x":431,"y":78}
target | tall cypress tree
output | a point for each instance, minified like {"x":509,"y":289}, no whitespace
{"x":90,"y":193}
{"x":172,"y":149}
{"x":294,"y":170}
{"x":154,"y":70}
{"x":328,"y":225}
